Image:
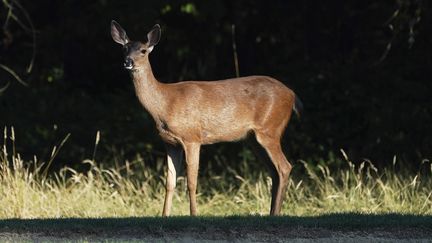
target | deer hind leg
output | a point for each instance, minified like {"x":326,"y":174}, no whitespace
{"x":261,"y":155}
{"x":192,"y":151}
{"x":174,"y":160}
{"x":280,"y":172}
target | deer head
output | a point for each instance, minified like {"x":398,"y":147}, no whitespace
{"x":135,"y":52}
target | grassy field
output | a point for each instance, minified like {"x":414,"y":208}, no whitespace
{"x":134,"y":189}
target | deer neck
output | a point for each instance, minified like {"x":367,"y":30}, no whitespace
{"x":148,"y":89}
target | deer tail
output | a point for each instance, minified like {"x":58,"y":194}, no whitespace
{"x":298,"y":106}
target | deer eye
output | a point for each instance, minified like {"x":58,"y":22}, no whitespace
{"x":143,"y":51}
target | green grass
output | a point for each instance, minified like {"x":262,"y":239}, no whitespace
{"x":134,"y":189}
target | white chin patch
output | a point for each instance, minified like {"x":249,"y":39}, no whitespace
{"x":129,"y":67}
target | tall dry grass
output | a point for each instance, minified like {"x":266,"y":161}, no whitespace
{"x":134,"y":189}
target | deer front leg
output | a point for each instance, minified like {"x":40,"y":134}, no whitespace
{"x":174,"y":160}
{"x":192,"y":151}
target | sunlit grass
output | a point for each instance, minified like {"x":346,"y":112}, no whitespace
{"x":134,"y":189}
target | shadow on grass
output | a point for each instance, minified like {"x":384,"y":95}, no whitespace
{"x":154,"y":225}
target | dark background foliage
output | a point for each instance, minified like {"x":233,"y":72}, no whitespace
{"x":362,"y":69}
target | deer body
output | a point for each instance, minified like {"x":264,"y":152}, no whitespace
{"x":208,"y":112}
{"x":193,"y":113}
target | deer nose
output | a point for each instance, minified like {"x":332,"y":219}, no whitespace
{"x":128,"y":64}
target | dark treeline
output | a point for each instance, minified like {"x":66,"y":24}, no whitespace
{"x":362,"y":69}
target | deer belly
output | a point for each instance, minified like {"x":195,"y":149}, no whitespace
{"x":204,"y":131}
{"x":223,"y":134}
{"x":228,"y":125}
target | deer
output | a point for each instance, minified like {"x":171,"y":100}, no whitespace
{"x":189,"y":114}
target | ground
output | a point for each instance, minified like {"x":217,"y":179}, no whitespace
{"x":298,"y":234}
{"x":328,"y":228}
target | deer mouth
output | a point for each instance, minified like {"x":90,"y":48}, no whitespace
{"x":128,"y":64}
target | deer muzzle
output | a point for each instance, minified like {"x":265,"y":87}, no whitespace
{"x":128,"y":64}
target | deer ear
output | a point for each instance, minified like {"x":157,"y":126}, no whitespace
{"x":153,"y":35}
{"x":118,"y":33}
